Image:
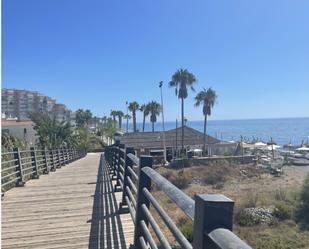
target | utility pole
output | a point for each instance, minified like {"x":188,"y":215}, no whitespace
{"x":127,"y":116}
{"x":176,"y":138}
{"x":164,"y":145}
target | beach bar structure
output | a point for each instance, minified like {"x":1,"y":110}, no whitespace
{"x":151,"y":143}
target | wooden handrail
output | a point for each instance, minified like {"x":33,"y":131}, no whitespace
{"x":37,"y":160}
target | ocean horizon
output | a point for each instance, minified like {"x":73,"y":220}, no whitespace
{"x":281,"y":130}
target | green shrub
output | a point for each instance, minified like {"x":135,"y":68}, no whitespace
{"x":244,"y":218}
{"x":282,"y":211}
{"x":302,"y":214}
{"x":227,"y":153}
{"x":186,"y":227}
{"x":214,"y":177}
{"x":251,"y":200}
{"x":281,"y":195}
{"x":179,"y":178}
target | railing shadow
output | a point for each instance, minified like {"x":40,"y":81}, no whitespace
{"x":106,"y":229}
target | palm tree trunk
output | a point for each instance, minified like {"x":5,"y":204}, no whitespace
{"x":144,"y":122}
{"x":182,"y":124}
{"x":120,"y":122}
{"x":205,"y":122}
{"x":134,"y":122}
{"x":152,"y":126}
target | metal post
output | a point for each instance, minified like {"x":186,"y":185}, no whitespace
{"x":176,"y":138}
{"x":128,"y":163}
{"x":19,"y":169}
{"x":143,"y":182}
{"x":47,"y":168}
{"x":127,"y":116}
{"x":211,"y":211}
{"x":164,"y":145}
{"x":35,"y":168}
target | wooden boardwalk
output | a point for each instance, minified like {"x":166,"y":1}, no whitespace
{"x":74,"y":207}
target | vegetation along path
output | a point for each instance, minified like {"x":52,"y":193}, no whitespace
{"x":74,"y":207}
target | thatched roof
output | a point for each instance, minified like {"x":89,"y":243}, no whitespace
{"x":192,"y":137}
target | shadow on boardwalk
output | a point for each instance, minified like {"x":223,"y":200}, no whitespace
{"x":106,"y":228}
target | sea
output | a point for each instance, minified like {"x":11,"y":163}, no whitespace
{"x":281,"y":130}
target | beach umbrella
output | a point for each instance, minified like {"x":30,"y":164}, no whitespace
{"x":303,"y":149}
{"x":273,"y":147}
{"x":260,"y":144}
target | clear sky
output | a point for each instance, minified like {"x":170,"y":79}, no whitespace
{"x":97,"y":54}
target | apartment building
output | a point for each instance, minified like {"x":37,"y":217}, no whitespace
{"x":17,"y":104}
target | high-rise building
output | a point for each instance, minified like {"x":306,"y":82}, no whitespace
{"x":17,"y":104}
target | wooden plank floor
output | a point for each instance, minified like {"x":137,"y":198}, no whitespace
{"x":74,"y":207}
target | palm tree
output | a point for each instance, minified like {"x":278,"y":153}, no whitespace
{"x":133,"y":107}
{"x":114,"y":114}
{"x":207,"y":98}
{"x":127,"y":117}
{"x":145,"y":110}
{"x":120,"y":115}
{"x":154,"y":109}
{"x":180,"y":81}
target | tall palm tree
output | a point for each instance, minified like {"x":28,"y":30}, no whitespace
{"x":145,"y":110}
{"x":133,"y":107}
{"x":114,"y":114}
{"x":120,"y":115}
{"x":207,"y":98}
{"x":154,"y":109}
{"x":180,"y":81}
{"x":127,"y":117}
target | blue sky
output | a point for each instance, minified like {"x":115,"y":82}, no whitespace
{"x":97,"y":54}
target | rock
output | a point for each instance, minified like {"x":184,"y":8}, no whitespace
{"x":262,"y":214}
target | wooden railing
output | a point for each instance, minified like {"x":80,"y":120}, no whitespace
{"x":212,"y":214}
{"x":19,"y":166}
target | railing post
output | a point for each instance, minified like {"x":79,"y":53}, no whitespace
{"x":53,"y":167}
{"x":45,"y":154}
{"x":19,"y":169}
{"x":211,"y":211}
{"x":121,"y":146}
{"x":71,"y":154}
{"x":67,"y":155}
{"x":59,"y":158}
{"x":35,"y":168}
{"x":128,"y":163}
{"x":114,"y":161}
{"x":108,"y":157}
{"x":143,"y":182}
{"x":62,"y":156}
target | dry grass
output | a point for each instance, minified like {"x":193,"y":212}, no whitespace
{"x":247,"y":186}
